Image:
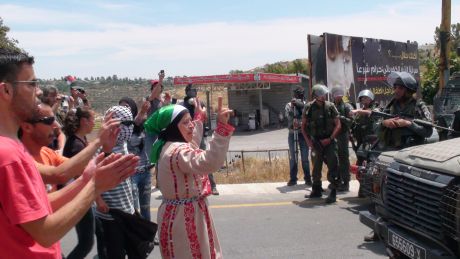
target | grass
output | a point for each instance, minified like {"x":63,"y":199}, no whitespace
{"x":260,"y":171}
{"x":256,"y":171}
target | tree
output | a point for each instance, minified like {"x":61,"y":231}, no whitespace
{"x":6,"y":42}
{"x":430,"y":76}
{"x":298,"y":66}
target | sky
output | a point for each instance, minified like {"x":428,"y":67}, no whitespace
{"x":200,"y":37}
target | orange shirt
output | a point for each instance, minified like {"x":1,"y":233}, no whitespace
{"x":50,"y":157}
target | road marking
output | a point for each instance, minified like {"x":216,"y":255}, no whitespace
{"x":271,"y":204}
{"x":262,"y":204}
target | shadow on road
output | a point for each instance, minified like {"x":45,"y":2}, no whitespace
{"x":360,"y":204}
{"x":311,"y":203}
{"x":288,"y":189}
{"x":376,"y":247}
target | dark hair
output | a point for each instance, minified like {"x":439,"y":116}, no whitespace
{"x":11,"y":62}
{"x":133,"y":107}
{"x":172,"y":132}
{"x":47,"y":90}
{"x":72,"y":120}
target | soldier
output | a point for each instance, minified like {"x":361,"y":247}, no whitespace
{"x":320,"y":127}
{"x":401,"y":132}
{"x":363,"y":128}
{"x":344,"y":110}
{"x":293,"y":111}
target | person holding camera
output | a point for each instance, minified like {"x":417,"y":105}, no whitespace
{"x":191,"y":93}
{"x":293,"y":112}
{"x":79,"y":96}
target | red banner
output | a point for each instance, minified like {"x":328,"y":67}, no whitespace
{"x":236,"y":78}
{"x":278,"y":78}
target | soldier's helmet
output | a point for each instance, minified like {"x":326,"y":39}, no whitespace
{"x":403,"y":79}
{"x":298,"y":92}
{"x":319,"y":90}
{"x":367,"y":93}
{"x":337,"y":91}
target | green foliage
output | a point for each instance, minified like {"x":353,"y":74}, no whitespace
{"x":288,"y":67}
{"x":430,"y":63}
{"x":5,"y":42}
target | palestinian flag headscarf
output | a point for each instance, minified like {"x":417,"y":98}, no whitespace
{"x":164,"y":123}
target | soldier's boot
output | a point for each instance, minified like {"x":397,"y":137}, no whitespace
{"x":371,"y":237}
{"x":316,"y":192}
{"x":332,"y":196}
{"x":361,"y":192}
{"x":344,"y":187}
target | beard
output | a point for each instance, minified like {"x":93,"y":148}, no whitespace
{"x":22,"y":108}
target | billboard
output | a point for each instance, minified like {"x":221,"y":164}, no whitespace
{"x":359,"y":63}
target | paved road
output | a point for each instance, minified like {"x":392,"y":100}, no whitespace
{"x":275,"y":221}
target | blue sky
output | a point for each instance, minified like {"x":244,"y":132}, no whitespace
{"x":138,"y":38}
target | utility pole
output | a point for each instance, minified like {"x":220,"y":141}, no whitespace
{"x":444,"y":41}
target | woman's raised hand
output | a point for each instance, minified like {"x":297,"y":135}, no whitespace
{"x":223,"y":114}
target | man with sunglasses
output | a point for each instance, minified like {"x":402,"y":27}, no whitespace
{"x":36,"y":135}
{"x":32,"y":221}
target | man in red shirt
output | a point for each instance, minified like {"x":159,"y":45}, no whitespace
{"x":31,"y":221}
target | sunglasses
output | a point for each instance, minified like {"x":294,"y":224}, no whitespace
{"x":44,"y":120}
{"x":127,"y":123}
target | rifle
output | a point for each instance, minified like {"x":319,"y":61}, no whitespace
{"x":384,"y":115}
{"x":317,"y":145}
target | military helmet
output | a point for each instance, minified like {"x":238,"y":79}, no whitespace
{"x":319,"y":90}
{"x":403,"y":79}
{"x":298,"y":92}
{"x":337,"y":91}
{"x":367,"y":93}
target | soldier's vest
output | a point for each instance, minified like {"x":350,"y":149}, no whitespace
{"x":344,"y":111}
{"x":403,"y":137}
{"x":363,"y":126}
{"x":320,"y":119}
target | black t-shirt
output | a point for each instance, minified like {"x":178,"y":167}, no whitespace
{"x":73,"y":146}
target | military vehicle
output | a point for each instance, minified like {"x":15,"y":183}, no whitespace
{"x":417,"y":200}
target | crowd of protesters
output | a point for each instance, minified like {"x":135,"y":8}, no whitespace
{"x":53,"y":177}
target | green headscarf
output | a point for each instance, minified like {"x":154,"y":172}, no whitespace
{"x":157,"y":123}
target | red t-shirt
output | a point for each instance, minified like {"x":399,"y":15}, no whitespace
{"x":23,"y":199}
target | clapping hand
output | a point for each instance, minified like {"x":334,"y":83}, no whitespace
{"x":112,"y":170}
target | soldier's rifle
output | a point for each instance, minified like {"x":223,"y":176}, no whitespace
{"x":377,"y":114}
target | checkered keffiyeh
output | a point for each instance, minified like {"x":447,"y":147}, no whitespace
{"x":124,"y":114}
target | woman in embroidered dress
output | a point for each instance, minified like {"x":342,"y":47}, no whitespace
{"x":186,"y":228}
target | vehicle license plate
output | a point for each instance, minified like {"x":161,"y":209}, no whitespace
{"x":405,"y":246}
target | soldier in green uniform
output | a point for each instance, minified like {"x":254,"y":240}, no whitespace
{"x":401,"y":132}
{"x":320,"y":127}
{"x":363,"y":127}
{"x":343,"y":138}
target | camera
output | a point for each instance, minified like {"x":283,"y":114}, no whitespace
{"x":191,"y":101}
{"x":63,"y":98}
